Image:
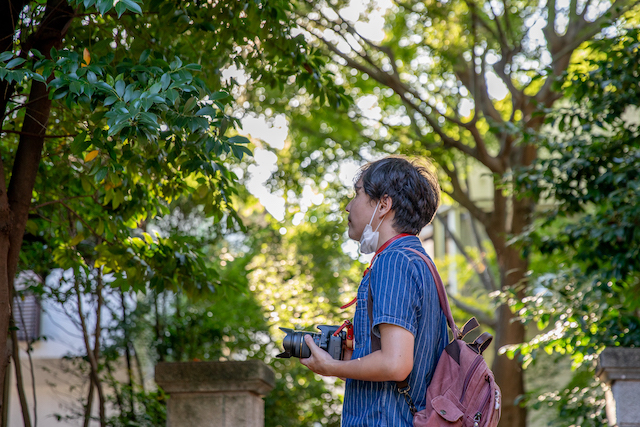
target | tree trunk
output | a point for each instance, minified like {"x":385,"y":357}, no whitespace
{"x":93,"y":361}
{"x":9,"y":12}
{"x":15,"y":202}
{"x":26,"y":419}
{"x":508,"y":372}
{"x":516,"y":216}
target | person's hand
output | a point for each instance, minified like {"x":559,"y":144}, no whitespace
{"x":320,"y":361}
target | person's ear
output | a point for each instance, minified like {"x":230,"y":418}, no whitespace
{"x":386,"y":204}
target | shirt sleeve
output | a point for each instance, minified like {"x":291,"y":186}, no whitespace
{"x":397,"y":292}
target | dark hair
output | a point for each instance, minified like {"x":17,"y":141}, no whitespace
{"x":413,"y":188}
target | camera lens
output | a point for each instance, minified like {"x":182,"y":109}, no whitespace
{"x":294,"y":344}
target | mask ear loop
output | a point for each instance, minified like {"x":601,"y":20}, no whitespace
{"x":374,"y":214}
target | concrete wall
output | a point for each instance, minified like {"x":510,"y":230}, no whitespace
{"x":221,"y":394}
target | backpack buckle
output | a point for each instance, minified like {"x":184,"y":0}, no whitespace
{"x":407,"y":397}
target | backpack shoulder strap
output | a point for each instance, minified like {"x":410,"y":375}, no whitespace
{"x":375,"y":340}
{"x":442,"y":297}
{"x":442,"y":294}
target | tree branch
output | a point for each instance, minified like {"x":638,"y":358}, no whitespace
{"x":549,"y":30}
{"x":392,"y":81}
{"x":91,"y":356}
{"x":477,"y":86}
{"x":77,"y":215}
{"x":36,"y":135}
{"x":482,"y":317}
{"x":483,"y":257}
{"x":462,"y":197}
{"x":586,"y":7}
{"x":481,"y":272}
{"x":30,"y":341}
{"x":579,"y":30}
{"x":61,"y":201}
{"x":20,"y":379}
{"x":504,"y":43}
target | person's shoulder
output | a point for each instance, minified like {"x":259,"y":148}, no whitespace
{"x":407,"y":248}
{"x":403,"y":254}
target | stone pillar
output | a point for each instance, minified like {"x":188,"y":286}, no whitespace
{"x":619,"y":368}
{"x":220,"y":394}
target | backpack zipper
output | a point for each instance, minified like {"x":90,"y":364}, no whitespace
{"x":478,"y":416}
{"x":470,"y":372}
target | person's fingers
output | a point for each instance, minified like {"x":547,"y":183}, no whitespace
{"x":312,"y":345}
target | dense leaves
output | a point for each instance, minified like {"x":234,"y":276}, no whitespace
{"x":589,"y":178}
{"x":145,"y":108}
{"x":591,"y":173}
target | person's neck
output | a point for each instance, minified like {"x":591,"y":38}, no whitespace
{"x":386,"y":234}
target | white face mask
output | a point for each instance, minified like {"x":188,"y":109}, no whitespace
{"x":369,"y":239}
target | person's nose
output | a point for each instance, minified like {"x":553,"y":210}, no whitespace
{"x":348,"y":208}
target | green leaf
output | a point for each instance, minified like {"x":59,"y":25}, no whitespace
{"x":132,"y":6}
{"x":104,"y":6}
{"x":15,"y":62}
{"x":101,"y":174}
{"x":239,"y":139}
{"x":77,"y":239}
{"x":175,"y":64}
{"x":144,"y":56}
{"x":165,"y":80}
{"x":120,"y":87}
{"x":121,"y":8}
{"x":91,"y":77}
{"x":206,"y":111}
{"x":190,"y":104}
{"x":78,"y":145}
{"x":86,"y":185}
{"x":172,"y":95}
{"x":38,"y":77}
{"x":218,"y":95}
{"x":239,"y":151}
{"x":155,"y":88}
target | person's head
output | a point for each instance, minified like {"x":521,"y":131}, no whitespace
{"x":412,"y":188}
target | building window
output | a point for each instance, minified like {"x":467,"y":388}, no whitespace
{"x":26,"y":315}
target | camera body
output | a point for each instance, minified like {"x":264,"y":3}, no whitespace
{"x":326,"y":339}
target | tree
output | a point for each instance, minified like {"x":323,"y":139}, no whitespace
{"x":431,"y":75}
{"x":591,"y":174}
{"x":107,"y":118}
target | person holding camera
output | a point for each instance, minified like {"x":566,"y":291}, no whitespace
{"x":404,"y":331}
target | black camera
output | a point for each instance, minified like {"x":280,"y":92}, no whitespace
{"x":327,"y":340}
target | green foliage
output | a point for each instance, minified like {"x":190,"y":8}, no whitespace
{"x":150,"y":410}
{"x":144,"y":124}
{"x":300,"y":398}
{"x":300,"y":277}
{"x":590,"y":175}
{"x":580,"y":403}
{"x":104,"y":6}
{"x":145,"y":127}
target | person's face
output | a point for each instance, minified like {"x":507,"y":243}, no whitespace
{"x":360,"y":209}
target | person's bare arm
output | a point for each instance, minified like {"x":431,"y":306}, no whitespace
{"x":393,"y":362}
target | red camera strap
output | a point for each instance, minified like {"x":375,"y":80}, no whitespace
{"x":349,"y":326}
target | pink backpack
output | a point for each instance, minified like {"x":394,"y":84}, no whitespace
{"x":463,"y":391}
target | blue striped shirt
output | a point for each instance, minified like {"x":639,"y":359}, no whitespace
{"x":404,"y":294}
